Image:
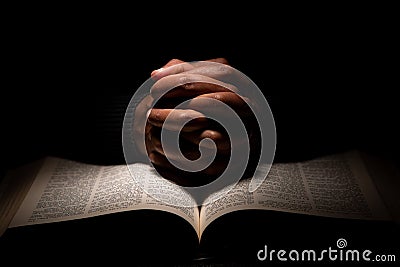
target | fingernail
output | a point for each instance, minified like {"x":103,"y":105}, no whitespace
{"x":154,"y":72}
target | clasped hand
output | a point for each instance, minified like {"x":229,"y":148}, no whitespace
{"x":199,"y":82}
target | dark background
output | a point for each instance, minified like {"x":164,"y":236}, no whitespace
{"x":330,"y":84}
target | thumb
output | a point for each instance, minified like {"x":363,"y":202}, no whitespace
{"x":170,"y":63}
{"x":219,"y":60}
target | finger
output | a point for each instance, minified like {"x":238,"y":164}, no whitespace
{"x":170,"y":63}
{"x":188,"y":150}
{"x":159,"y":160}
{"x":221,"y":72}
{"x":215,"y":68}
{"x":176,"y":118}
{"x":190,"y":147}
{"x":187,"y":85}
{"x":175,"y":61}
{"x":148,"y":138}
{"x":154,"y":139}
{"x":219,"y":60}
{"x":220,"y":139}
{"x":203,"y":104}
{"x":172,"y":67}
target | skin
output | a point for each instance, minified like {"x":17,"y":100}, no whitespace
{"x":200,"y":82}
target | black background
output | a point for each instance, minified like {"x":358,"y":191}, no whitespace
{"x":330,"y":82}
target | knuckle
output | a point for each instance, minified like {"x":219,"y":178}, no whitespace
{"x":185,"y":116}
{"x":213,"y":135}
{"x":189,"y":86}
{"x":152,"y":157}
{"x":184,"y":79}
{"x":156,"y":115}
{"x":173,"y":62}
{"x":220,"y":97}
{"x":225,"y":70}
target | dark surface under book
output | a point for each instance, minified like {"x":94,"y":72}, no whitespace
{"x":148,"y":236}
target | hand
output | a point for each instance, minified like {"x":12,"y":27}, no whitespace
{"x":210,"y":83}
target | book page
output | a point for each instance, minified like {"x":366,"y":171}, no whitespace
{"x":66,"y":190}
{"x":334,"y":186}
{"x":13,"y":190}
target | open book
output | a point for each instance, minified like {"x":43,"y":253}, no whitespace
{"x":333,"y":186}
